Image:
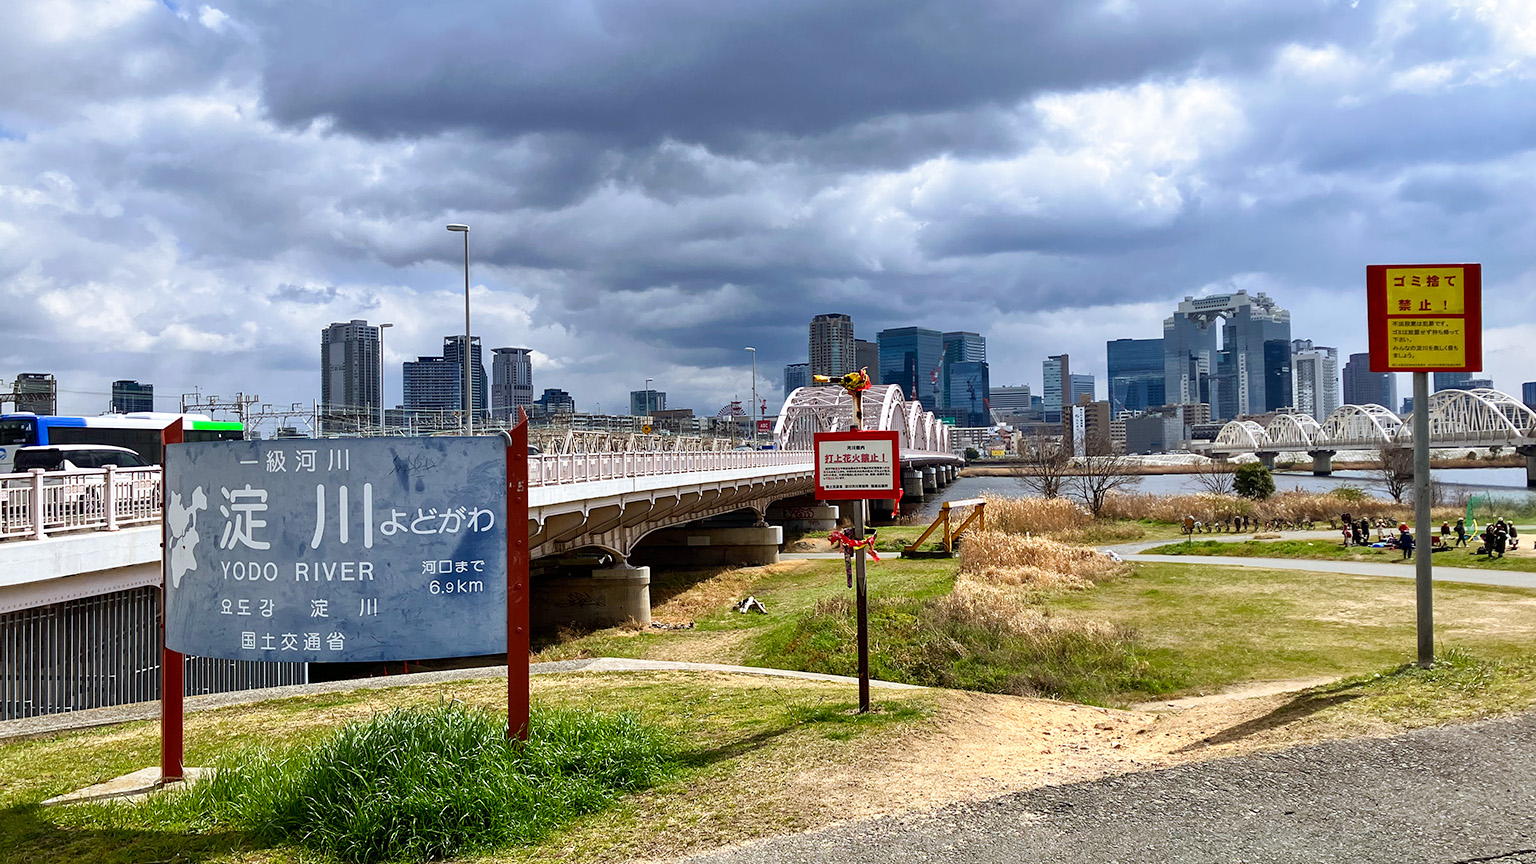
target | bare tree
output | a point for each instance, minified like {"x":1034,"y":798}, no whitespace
{"x":1214,"y":477}
{"x":1094,"y":477}
{"x":1045,"y":463}
{"x":1396,"y":469}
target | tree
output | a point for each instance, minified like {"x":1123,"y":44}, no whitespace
{"x":1253,"y":480}
{"x":1045,"y":463}
{"x":1097,"y":476}
{"x":971,"y":455}
{"x":1396,"y":469}
{"x":1214,"y":477}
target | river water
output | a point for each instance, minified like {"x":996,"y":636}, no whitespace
{"x":1501,"y":482}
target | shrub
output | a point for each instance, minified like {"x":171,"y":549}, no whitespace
{"x":421,"y":783}
{"x":1253,"y":480}
{"x":971,"y":454}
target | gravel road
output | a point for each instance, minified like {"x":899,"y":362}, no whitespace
{"x":1458,"y":794}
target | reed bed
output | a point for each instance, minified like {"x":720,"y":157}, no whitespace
{"x":1034,"y":515}
{"x":1293,"y":507}
{"x":1003,"y":558}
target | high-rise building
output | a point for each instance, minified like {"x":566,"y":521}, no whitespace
{"x":832,"y":351}
{"x":437,"y":383}
{"x":131,"y":396}
{"x":36,"y":393}
{"x":1528,"y":394}
{"x":1056,"y":371}
{"x":511,"y":382}
{"x":967,"y":392}
{"x":964,"y":347}
{"x":911,"y":358}
{"x":554,"y":401}
{"x":1315,"y":378}
{"x":867,"y":356}
{"x":1364,"y":387}
{"x":645,"y":402}
{"x":1451,"y":380}
{"x":1136,"y":380}
{"x":349,"y":374}
{"x":1080,"y":386}
{"x":797,"y":375}
{"x":1250,"y":374}
{"x":1011,"y":399}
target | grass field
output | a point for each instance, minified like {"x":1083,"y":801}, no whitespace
{"x":1334,"y":550}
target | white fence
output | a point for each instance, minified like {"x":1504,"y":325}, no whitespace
{"x":112,"y":498}
{"x":38,"y":503}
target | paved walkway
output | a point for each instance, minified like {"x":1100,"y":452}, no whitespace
{"x":1404,"y":570}
{"x":93,"y":717}
{"x":1457,"y":794}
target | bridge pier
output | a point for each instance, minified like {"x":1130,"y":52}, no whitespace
{"x":1267,"y":458}
{"x":608,"y":597}
{"x":1529,"y":452}
{"x":1322,"y":462}
{"x":911,"y":484}
{"x":930,"y":481}
{"x":799,"y":515}
{"x":880,"y":510}
{"x":711,"y":545}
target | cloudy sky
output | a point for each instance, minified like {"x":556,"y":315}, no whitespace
{"x":190,"y":193}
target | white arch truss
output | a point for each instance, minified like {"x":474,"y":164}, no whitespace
{"x":809,"y":410}
{"x":1242,"y":435}
{"x":1293,"y":431}
{"x":1474,"y":416}
{"x":1358,"y":426}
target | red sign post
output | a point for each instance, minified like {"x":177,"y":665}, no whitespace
{"x":1424,"y":318}
{"x":857,"y":466}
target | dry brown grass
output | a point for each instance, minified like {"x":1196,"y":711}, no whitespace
{"x":999,"y":558}
{"x":1292,"y":506}
{"x":999,"y":610}
{"x":699,"y":597}
{"x":1034,"y":515}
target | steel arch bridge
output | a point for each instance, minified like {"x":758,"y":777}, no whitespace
{"x":1457,"y":418}
{"x":809,"y":410}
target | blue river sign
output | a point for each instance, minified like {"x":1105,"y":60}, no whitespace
{"x":347,"y":549}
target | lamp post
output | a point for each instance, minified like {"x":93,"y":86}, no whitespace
{"x":752,"y":415}
{"x":646,"y":395}
{"x":382,"y":328}
{"x":469,"y":394}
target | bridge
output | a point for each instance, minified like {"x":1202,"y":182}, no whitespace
{"x":1457,"y":418}
{"x":80,"y":565}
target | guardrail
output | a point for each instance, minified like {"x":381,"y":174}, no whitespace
{"x":583,"y":467}
{"x":37,"y":503}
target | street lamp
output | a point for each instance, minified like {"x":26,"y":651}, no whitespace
{"x":469,"y":394}
{"x":752,"y":415}
{"x":646,"y":395}
{"x":382,"y":328}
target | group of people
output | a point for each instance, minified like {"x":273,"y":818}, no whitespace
{"x":1498,"y":536}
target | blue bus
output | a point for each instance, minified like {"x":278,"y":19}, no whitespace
{"x":139,"y":432}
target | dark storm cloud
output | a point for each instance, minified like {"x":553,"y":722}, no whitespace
{"x":699,"y":70}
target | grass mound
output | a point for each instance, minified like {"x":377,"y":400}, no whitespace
{"x":975,"y":638}
{"x":423,"y":783}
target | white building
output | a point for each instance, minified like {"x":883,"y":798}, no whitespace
{"x":1314,"y":379}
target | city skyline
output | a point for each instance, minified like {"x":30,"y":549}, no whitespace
{"x":181,"y":206}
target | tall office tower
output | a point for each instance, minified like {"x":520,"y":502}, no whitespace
{"x":1315,"y":373}
{"x":511,"y":382}
{"x":1364,"y":387}
{"x":349,"y":373}
{"x":964,"y":347}
{"x":1011,"y":399}
{"x":130,"y":396}
{"x":1136,"y":380}
{"x":967,"y":392}
{"x":910,"y":357}
{"x":867,"y":356}
{"x":1250,"y":374}
{"x":643,"y":403}
{"x":1080,"y":386}
{"x":36,"y":393}
{"x":1451,"y":380}
{"x":1528,"y":394}
{"x":555,"y":401}
{"x":797,"y":375}
{"x":453,"y":352}
{"x":437,"y":383}
{"x":1056,"y":372}
{"x":831,"y":346}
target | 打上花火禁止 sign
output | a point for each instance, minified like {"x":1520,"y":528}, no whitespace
{"x":336,"y":549}
{"x":852,"y":465}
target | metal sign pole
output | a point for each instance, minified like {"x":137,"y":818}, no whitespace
{"x":1423,"y":531}
{"x":517,"y":579}
{"x":172,"y":683}
{"x":861,"y":586}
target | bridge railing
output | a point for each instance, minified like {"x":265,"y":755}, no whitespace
{"x":583,"y":467}
{"x":39,"y":502}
